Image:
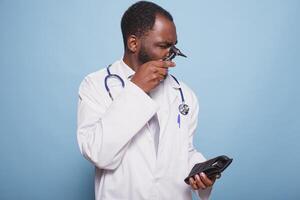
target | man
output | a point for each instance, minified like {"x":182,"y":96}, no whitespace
{"x":129,"y":126}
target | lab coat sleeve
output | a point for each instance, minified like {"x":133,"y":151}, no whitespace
{"x":195,"y":156}
{"x":105,"y":131}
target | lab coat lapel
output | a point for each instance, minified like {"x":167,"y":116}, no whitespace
{"x":162,"y":113}
{"x":171,"y":89}
{"x":169,"y":95}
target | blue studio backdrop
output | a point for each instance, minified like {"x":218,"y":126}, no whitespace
{"x":243,"y":64}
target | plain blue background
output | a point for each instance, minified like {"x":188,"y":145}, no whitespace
{"x":243,"y":63}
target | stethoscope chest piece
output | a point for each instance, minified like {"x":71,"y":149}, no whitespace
{"x":183,"y":108}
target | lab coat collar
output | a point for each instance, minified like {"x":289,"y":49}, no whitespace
{"x":121,"y":69}
{"x":126,"y":70}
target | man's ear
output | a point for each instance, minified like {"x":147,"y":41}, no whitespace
{"x":133,"y":43}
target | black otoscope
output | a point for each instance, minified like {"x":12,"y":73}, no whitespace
{"x":173,"y":52}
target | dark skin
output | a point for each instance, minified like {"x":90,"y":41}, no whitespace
{"x":145,"y":56}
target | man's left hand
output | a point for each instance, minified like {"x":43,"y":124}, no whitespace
{"x":201,"y":181}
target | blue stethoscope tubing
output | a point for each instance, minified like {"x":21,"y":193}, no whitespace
{"x":110,"y":75}
{"x":183,"y":107}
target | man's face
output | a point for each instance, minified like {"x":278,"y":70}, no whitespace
{"x":155,"y":44}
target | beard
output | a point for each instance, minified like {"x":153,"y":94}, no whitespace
{"x":143,"y":56}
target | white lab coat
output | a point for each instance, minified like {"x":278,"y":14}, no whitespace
{"x":113,"y":136}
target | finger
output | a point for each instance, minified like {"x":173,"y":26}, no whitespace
{"x":168,"y":64}
{"x":199,"y":182}
{"x":156,"y":78}
{"x":164,"y":64}
{"x":193,"y":183}
{"x":162,"y":71}
{"x":161,"y":77}
{"x":205,"y":180}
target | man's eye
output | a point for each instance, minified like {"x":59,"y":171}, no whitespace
{"x":164,"y":46}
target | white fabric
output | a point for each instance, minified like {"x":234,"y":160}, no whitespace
{"x":154,"y":129}
{"x":153,"y":125}
{"x":114,"y":136}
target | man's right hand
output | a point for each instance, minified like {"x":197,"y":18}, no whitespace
{"x":151,"y":73}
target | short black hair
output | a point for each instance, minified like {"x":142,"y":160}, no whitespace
{"x":140,"y":18}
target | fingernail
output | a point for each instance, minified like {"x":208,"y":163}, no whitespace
{"x":202,"y":174}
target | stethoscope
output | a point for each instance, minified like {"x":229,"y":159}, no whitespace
{"x":183,"y":108}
